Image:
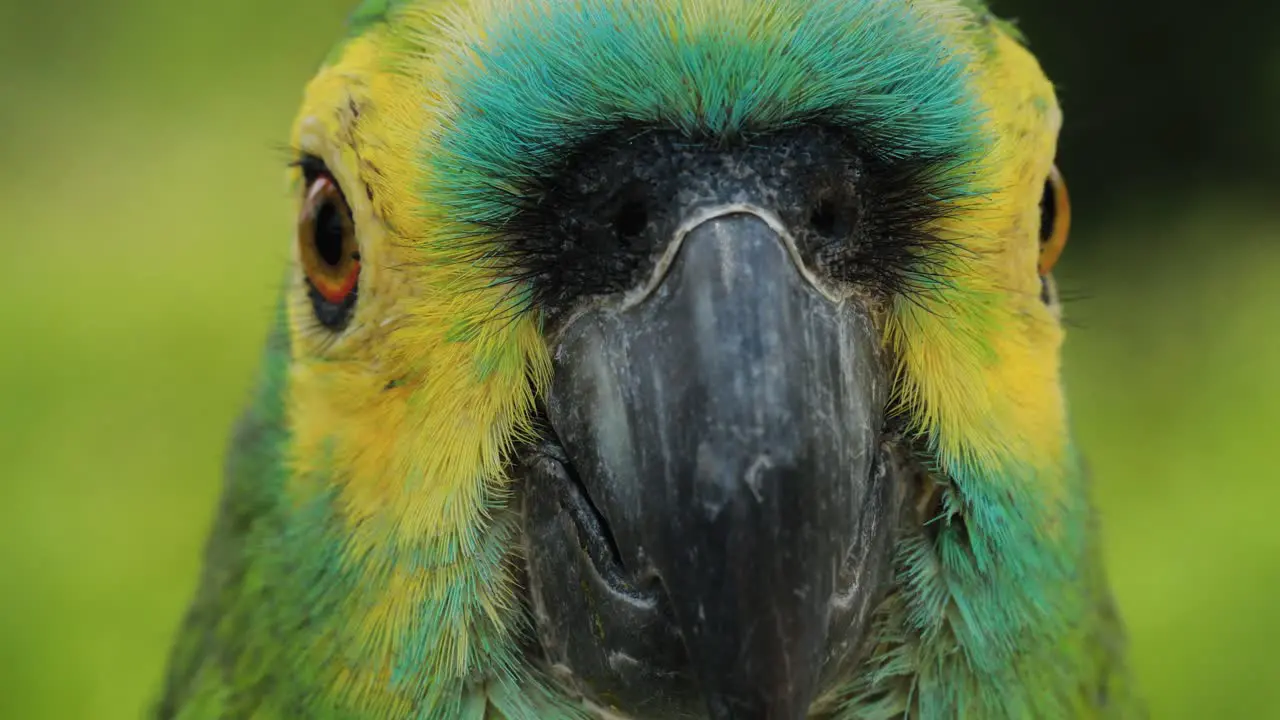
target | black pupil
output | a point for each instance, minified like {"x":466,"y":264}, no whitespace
{"x":1048,"y":212}
{"x":328,"y":234}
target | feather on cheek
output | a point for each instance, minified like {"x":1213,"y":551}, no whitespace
{"x":981,"y":362}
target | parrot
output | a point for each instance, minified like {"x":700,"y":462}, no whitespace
{"x":663,"y":359}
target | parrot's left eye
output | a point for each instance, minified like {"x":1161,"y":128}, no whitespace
{"x":1055,"y":220}
{"x":328,"y":251}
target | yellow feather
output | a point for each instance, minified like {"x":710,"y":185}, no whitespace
{"x":419,"y":433}
{"x":988,"y":395}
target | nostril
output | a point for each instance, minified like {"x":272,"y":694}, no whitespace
{"x":824,"y":217}
{"x":631,"y":220}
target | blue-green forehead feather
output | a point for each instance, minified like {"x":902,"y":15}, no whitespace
{"x":549,"y":75}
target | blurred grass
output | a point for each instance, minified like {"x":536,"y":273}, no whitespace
{"x":1172,"y":375}
{"x":147,"y":224}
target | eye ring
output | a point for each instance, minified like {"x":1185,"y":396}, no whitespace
{"x":328,"y":251}
{"x":1055,"y":220}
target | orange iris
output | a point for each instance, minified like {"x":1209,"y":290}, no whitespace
{"x":327,"y":241}
{"x":1055,"y":214}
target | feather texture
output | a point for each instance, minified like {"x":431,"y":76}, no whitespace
{"x":364,"y":561}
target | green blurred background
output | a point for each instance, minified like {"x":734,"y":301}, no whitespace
{"x":147,"y":221}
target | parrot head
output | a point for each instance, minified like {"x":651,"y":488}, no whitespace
{"x":686,"y":358}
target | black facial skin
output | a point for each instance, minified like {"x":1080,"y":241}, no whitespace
{"x":711,"y":512}
{"x":594,"y":225}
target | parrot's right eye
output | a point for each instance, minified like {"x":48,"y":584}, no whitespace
{"x":1055,"y":220}
{"x":328,"y":250}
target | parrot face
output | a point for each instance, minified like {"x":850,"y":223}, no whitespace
{"x":684,"y":359}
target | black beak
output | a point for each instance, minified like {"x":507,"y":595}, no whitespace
{"x":723,"y":422}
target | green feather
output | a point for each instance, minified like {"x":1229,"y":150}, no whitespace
{"x":552,"y":75}
{"x":980,"y":10}
{"x":982,"y":592}
{"x":366,"y":15}
{"x":206,"y":668}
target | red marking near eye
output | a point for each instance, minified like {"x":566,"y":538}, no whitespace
{"x":337,"y":292}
